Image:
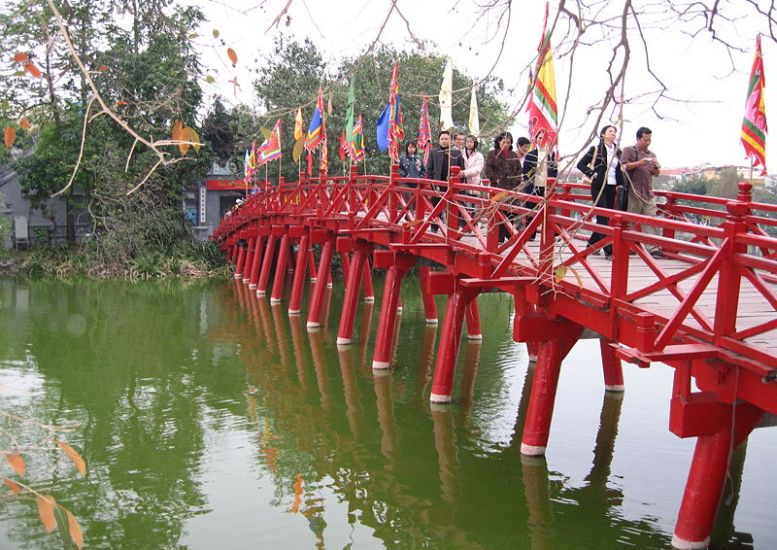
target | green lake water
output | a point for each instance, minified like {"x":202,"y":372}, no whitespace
{"x":210,"y":419}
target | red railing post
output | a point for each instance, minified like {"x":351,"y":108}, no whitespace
{"x":729,"y":277}
{"x":451,"y":206}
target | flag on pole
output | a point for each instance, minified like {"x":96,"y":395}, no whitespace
{"x":249,"y":164}
{"x":349,"y":119}
{"x":323,"y":165}
{"x":542,"y":108}
{"x":298,"y":134}
{"x":474,"y":118}
{"x":396,"y":132}
{"x":343,"y":150}
{"x":271,"y":148}
{"x":316,"y":129}
{"x":424,"y":140}
{"x":446,"y":97}
{"x":356,"y":145}
{"x":382,"y":128}
{"x":754,"y":122}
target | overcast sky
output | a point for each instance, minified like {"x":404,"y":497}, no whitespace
{"x":699,"y":124}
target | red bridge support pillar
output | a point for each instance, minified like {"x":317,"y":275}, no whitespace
{"x":539,"y":415}
{"x":253,"y":276}
{"x":322,"y":278}
{"x":264,"y":276}
{"x":381,"y":358}
{"x":473,"y":320}
{"x":726,"y":427}
{"x":459,"y":299}
{"x":430,"y":308}
{"x":369,"y":289}
{"x":298,"y":285}
{"x":312,"y":268}
{"x":241,"y":256}
{"x":249,"y":258}
{"x":280,"y":271}
{"x":348,"y":314}
{"x":611,"y":367}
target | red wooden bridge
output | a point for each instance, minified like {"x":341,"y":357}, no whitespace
{"x":706,"y":306}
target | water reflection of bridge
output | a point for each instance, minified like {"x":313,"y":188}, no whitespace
{"x":424,"y":486}
{"x":707,"y":307}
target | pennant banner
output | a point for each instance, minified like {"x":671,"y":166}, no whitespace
{"x":754,"y":127}
{"x":542,"y":108}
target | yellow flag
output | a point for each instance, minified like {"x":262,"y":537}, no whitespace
{"x":298,"y":125}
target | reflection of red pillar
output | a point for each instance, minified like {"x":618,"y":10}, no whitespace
{"x":534,"y":471}
{"x":442,"y":383}
{"x":264,"y":276}
{"x":241,"y":256}
{"x":388,"y":312}
{"x":298,"y":284}
{"x":446,"y":451}
{"x":369,"y":289}
{"x":425,"y":360}
{"x":317,"y":299}
{"x":280,"y":334}
{"x":350,"y":389}
{"x":319,"y":364}
{"x":249,"y":258}
{"x":299,"y":354}
{"x":385,"y":404}
{"x":280,"y":271}
{"x":473,"y":321}
{"x":430,"y":308}
{"x":543,"y":391}
{"x":348,"y":313}
{"x":471,"y":363}
{"x":253,"y":277}
{"x":611,"y":367}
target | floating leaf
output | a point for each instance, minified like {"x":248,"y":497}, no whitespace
{"x":189,"y":134}
{"x":25,"y":123}
{"x":21,"y":57}
{"x":232,"y":56}
{"x":71,"y":453}
{"x":13,"y":486}
{"x":297,"y":152}
{"x":10,"y":138}
{"x":559,"y":273}
{"x":76,"y":534}
{"x":121,"y":103}
{"x":193,"y":35}
{"x":216,"y":33}
{"x":103,"y":68}
{"x":46,"y":504}
{"x":19,"y":73}
{"x":499,"y":196}
{"x":210,"y":79}
{"x":33,"y":70}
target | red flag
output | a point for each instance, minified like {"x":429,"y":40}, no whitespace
{"x":754,"y":122}
{"x":343,"y":147}
{"x":396,"y":132}
{"x":424,"y":131}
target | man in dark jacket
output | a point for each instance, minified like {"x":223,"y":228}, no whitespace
{"x":441,"y":158}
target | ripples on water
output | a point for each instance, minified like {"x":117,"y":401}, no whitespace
{"x":209,"y":418}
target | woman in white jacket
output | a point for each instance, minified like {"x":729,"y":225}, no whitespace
{"x":473,"y":161}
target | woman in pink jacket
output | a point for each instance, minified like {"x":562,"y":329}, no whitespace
{"x":473,"y":161}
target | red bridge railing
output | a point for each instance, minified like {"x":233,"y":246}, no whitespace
{"x":707,"y":305}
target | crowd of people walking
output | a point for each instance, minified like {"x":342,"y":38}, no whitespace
{"x":620,"y":180}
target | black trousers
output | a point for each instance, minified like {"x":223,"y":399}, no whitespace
{"x":606,"y":200}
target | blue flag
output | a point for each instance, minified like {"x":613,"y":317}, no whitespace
{"x":382,"y":128}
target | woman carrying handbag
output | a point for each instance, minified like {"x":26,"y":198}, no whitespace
{"x":601,"y":164}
